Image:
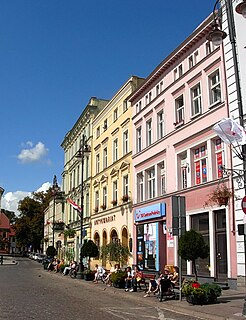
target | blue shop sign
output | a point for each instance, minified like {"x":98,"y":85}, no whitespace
{"x":150,"y":212}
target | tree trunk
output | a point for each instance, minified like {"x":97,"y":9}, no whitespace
{"x":194,"y":268}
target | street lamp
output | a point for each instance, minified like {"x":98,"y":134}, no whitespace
{"x":84,"y":148}
{"x":217,"y":36}
{"x":55,"y":188}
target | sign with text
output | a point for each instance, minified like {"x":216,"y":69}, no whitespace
{"x":150,"y":212}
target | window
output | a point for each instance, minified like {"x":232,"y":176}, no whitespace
{"x":98,"y":163}
{"x":115,"y":114}
{"x":200,"y":223}
{"x":179,"y":109}
{"x":183,"y":170}
{"x":214,"y":88}
{"x":98,"y":132}
{"x":125,"y":185}
{"x":161,"y":178}
{"x":150,"y":96}
{"x":96,"y":199}
{"x":105,"y":124}
{"x":209,"y":47}
{"x":140,"y":187}
{"x":105,"y":197}
{"x":200,"y":161}
{"x":125,"y":107}
{"x":157,"y":90}
{"x":219,"y":157}
{"x":146,"y":99}
{"x":180,"y":70}
{"x":105,"y":158}
{"x":161,"y":86}
{"x":196,"y":100}
{"x":160,"y":124}
{"x":139,"y":106}
{"x":148,"y":133}
{"x":115,"y":190}
{"x":150,"y":183}
{"x":139,"y":139}
{"x":193,"y":59}
{"x":115,"y":150}
{"x":125,"y":142}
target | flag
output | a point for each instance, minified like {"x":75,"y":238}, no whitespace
{"x":74,"y":205}
{"x":230,"y":131}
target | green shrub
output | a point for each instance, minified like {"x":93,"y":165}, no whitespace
{"x":197,"y":293}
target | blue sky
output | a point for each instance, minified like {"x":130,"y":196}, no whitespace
{"x":56,"y":54}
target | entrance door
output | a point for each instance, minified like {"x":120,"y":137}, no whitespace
{"x":221,"y":245}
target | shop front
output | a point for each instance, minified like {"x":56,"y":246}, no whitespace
{"x":150,"y":225}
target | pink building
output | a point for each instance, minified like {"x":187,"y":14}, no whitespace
{"x":176,"y":153}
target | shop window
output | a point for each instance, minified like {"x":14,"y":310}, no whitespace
{"x":200,"y":223}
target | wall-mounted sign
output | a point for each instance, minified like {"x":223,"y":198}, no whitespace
{"x":104,"y":220}
{"x":150,"y":212}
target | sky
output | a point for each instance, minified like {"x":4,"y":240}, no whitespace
{"x":55,"y":55}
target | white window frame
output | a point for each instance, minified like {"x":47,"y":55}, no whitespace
{"x":105,"y":196}
{"x":115,"y":190}
{"x":150,"y":182}
{"x":125,"y":185}
{"x":115,"y":149}
{"x":97,"y":163}
{"x":96,"y":199}
{"x":148,"y":132}
{"x":213,"y":87}
{"x":160,"y":124}
{"x":140,"y":187}
{"x":196,"y":100}
{"x":125,"y":142}
{"x":116,"y":114}
{"x":179,"y":109}
{"x":105,"y":157}
{"x":139,"y":139}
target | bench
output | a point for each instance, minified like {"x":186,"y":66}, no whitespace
{"x":145,"y":281}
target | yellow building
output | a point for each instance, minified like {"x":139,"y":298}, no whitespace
{"x":111,"y":216}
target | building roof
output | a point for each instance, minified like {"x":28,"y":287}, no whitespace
{"x":4,"y":222}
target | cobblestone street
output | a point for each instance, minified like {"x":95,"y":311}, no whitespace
{"x":29,"y":292}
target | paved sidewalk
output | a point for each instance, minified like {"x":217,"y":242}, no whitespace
{"x":8,"y":260}
{"x":229,"y":307}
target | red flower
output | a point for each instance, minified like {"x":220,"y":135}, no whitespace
{"x":195,"y":285}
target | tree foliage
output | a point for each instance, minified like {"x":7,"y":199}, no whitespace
{"x":191,"y":247}
{"x":115,"y":252}
{"x":90,"y":250}
{"x":29,"y":226}
{"x":51,"y":251}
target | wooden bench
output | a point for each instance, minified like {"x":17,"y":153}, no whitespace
{"x":145,"y":281}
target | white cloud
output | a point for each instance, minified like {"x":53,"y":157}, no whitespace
{"x":10,"y":200}
{"x":32,"y":153}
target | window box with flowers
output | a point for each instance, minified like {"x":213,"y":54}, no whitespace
{"x":103,"y":206}
{"x":125,"y":198}
{"x":197,"y":293}
{"x":96,"y":209}
{"x":220,"y":196}
{"x":114,"y":202}
{"x":69,"y":233}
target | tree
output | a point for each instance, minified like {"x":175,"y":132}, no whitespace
{"x":90,"y":250}
{"x":29,"y":226}
{"x":115,"y":251}
{"x":51,"y":251}
{"x":191,"y":247}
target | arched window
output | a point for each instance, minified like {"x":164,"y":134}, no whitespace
{"x":114,"y":236}
{"x":104,"y":238}
{"x":97,"y":239}
{"x":124,"y":237}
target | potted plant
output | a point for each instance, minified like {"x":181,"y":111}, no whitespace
{"x":197,"y":293}
{"x":191,"y":247}
{"x":103,"y":206}
{"x":69,"y":233}
{"x":114,"y":202}
{"x":88,"y":275}
{"x":90,"y":250}
{"x":125,"y":198}
{"x":220,"y":195}
{"x":115,"y":252}
{"x":118,"y":279}
{"x":96,"y":209}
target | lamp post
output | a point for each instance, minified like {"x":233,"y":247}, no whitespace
{"x":54,"y":192}
{"x":84,"y":148}
{"x":217,"y":36}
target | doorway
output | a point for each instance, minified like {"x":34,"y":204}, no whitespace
{"x":221,"y":245}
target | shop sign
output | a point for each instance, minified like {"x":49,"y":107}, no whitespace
{"x":104,"y":220}
{"x":150,"y":212}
